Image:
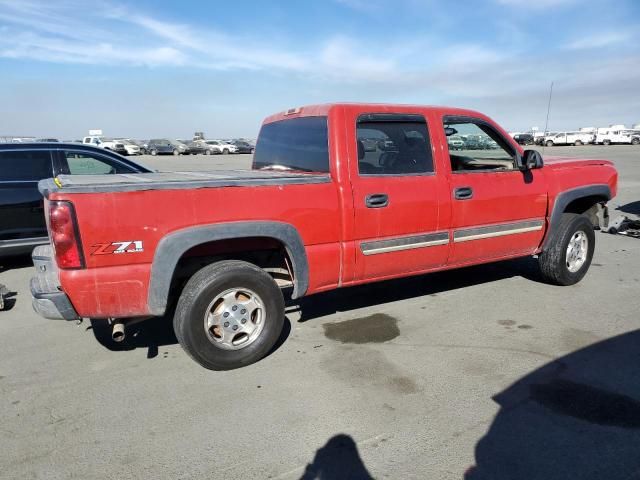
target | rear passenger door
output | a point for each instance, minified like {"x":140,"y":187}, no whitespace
{"x":397,"y":197}
{"x":21,"y":204}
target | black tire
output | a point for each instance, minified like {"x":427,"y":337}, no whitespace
{"x":175,"y":152}
{"x":577,"y":143}
{"x":154,"y":152}
{"x":553,"y":260}
{"x":207,"y":152}
{"x":549,"y":143}
{"x":635,"y":141}
{"x":201,"y":290}
{"x":606,"y":142}
{"x":225,"y":151}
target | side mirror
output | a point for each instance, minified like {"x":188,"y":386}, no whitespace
{"x":530,"y":160}
{"x":448,"y":131}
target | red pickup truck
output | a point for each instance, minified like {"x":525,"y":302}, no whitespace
{"x":338,"y":195}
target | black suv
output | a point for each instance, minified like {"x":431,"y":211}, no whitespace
{"x":22,"y":165}
{"x":524,"y":138}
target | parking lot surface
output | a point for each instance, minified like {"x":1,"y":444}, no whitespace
{"x":482,"y":372}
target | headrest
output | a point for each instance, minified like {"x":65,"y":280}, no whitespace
{"x":360,"y":150}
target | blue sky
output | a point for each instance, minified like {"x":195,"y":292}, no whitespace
{"x":163,"y":68}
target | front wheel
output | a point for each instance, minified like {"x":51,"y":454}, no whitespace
{"x":230,"y":314}
{"x":154,"y":152}
{"x":568,"y":256}
{"x":606,"y":142}
{"x":176,"y":152}
{"x":225,"y":151}
{"x":207,"y":152}
{"x":577,"y":143}
{"x":549,"y":143}
{"x":635,"y":141}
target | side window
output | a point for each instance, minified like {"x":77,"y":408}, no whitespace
{"x":83,"y":163}
{"x":390,"y":147}
{"x":477,"y":147}
{"x":21,"y":166}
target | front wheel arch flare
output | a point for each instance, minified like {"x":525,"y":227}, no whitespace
{"x":172,"y":246}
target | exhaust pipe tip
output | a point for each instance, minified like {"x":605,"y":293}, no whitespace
{"x":118,"y":333}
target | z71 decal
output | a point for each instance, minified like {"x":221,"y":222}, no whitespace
{"x":132,"y":246}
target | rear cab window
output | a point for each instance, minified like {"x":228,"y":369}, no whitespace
{"x":297,"y":144}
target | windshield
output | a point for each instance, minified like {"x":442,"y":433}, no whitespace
{"x":296,"y":144}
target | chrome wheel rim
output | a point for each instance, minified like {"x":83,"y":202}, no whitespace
{"x":234,"y":319}
{"x":577,"y":251}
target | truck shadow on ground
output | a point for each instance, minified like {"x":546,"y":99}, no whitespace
{"x":576,"y":417}
{"x":156,"y":332}
{"x":352,"y":298}
{"x":338,"y":459}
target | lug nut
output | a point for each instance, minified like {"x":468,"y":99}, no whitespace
{"x":234,"y":308}
{"x":243,"y":311}
{"x":226,"y":314}
{"x":226,"y":324}
{"x":244,"y":320}
{"x":235,"y":327}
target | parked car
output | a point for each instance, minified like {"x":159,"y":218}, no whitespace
{"x":199,"y":147}
{"x":22,"y":221}
{"x":226,"y":243}
{"x":222,"y":147}
{"x":106,"y":143}
{"x":243,"y":147}
{"x":456,"y":142}
{"x":130,"y":146}
{"x":524,"y":139}
{"x":183,"y":148}
{"x":162,"y":146}
{"x":627,"y":136}
{"x":569,"y":138}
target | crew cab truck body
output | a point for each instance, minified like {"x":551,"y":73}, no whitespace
{"x":318,"y":211}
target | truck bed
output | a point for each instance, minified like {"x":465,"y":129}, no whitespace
{"x":175,"y":181}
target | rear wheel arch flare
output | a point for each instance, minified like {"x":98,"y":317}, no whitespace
{"x":171,"y":248}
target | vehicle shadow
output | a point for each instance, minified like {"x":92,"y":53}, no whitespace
{"x":338,"y":459}
{"x":155,"y":333}
{"x":19,"y":261}
{"x":576,"y":417}
{"x":632,"y":208}
{"x":352,"y":298}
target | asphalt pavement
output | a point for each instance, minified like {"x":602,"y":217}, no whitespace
{"x":484,"y":372}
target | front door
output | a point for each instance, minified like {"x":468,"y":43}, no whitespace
{"x":497,"y":210}
{"x":398,"y":198}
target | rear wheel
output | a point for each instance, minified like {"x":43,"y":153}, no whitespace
{"x":225,"y":151}
{"x":577,"y":143}
{"x":230,"y":314}
{"x":606,"y":142}
{"x":154,"y":152}
{"x":175,"y":152}
{"x":549,"y":143}
{"x":568,"y":256}
{"x":207,"y":152}
{"x":635,"y":141}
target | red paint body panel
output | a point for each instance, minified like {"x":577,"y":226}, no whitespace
{"x":331,"y":218}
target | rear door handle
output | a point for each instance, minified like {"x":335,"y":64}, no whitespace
{"x":463,"y":193}
{"x":377,"y":200}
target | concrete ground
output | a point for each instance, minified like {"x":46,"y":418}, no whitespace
{"x":484,"y":372}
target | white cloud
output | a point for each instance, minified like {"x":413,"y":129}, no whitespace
{"x":598,"y":40}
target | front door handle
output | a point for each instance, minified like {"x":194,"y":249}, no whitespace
{"x":463,"y":193}
{"x":377,"y":200}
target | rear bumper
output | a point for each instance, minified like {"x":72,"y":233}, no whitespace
{"x":49,"y":301}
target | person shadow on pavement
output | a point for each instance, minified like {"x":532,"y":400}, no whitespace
{"x":338,"y":459}
{"x":577,"y":417}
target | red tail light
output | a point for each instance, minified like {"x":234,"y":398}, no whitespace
{"x":64,"y":235}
